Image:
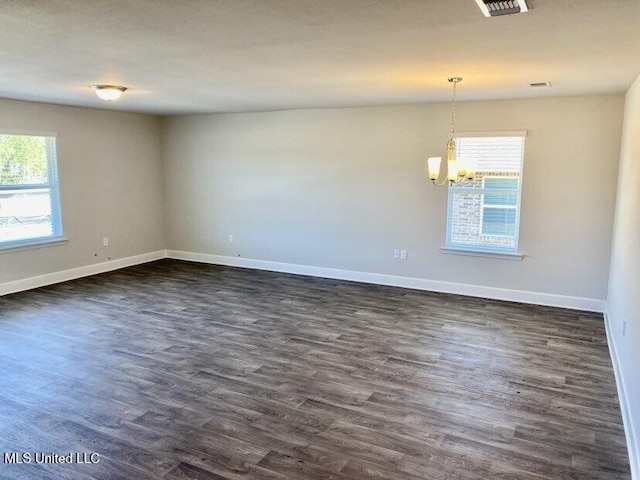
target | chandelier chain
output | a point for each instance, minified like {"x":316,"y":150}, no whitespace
{"x":453,"y":109}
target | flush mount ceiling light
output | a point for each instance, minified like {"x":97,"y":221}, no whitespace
{"x":458,"y":172}
{"x":108,"y":93}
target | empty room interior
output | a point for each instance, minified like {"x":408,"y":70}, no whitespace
{"x":320,"y":239}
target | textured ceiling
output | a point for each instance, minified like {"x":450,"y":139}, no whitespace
{"x":191,"y":56}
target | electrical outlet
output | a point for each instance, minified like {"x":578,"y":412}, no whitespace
{"x":396,"y":253}
{"x":624,"y":328}
{"x":105,"y":242}
{"x":403,"y":254}
{"x":230,"y":238}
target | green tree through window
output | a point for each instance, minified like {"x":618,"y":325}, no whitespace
{"x":23,"y":160}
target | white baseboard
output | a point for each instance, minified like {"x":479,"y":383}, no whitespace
{"x":548,"y":299}
{"x":625,"y":404}
{"x":73,"y":273}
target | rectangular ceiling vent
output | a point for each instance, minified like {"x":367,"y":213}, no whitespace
{"x":540,"y":85}
{"x":494,"y":8}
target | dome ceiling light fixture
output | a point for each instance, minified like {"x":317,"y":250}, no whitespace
{"x":108,"y":93}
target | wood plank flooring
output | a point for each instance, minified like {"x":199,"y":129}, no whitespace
{"x":175,"y":370}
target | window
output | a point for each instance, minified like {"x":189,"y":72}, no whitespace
{"x":29,"y":203}
{"x":484,"y":215}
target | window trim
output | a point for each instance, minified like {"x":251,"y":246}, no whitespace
{"x":56,"y":237}
{"x":31,"y":244}
{"x":476,"y":250}
{"x":482,"y":253}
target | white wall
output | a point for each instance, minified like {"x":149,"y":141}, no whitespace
{"x":341,"y":188}
{"x":110,"y":186}
{"x":623,"y":302}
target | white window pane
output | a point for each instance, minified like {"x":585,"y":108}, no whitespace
{"x":499,"y":221}
{"x":484,"y":213}
{"x":25,"y":214}
{"x":29,"y":204}
{"x":23,"y":160}
{"x":506,"y":198}
{"x":501,"y":183}
{"x":465,"y":218}
{"x":491,"y":154}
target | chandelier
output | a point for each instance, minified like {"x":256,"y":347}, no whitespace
{"x":458,"y":171}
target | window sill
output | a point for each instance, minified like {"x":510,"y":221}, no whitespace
{"x":482,"y":253}
{"x":31,"y":244}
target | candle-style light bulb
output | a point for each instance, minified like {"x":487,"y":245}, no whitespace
{"x":434,"y":167}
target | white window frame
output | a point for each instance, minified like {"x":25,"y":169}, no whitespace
{"x":53,"y":185}
{"x":511,"y":253}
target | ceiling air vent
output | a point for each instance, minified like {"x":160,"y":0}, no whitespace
{"x":494,"y":8}
{"x":540,"y":85}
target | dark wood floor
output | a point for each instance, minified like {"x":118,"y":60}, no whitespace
{"x":177,"y":370}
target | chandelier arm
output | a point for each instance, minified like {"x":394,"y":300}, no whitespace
{"x":435,"y":182}
{"x":463,"y":181}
